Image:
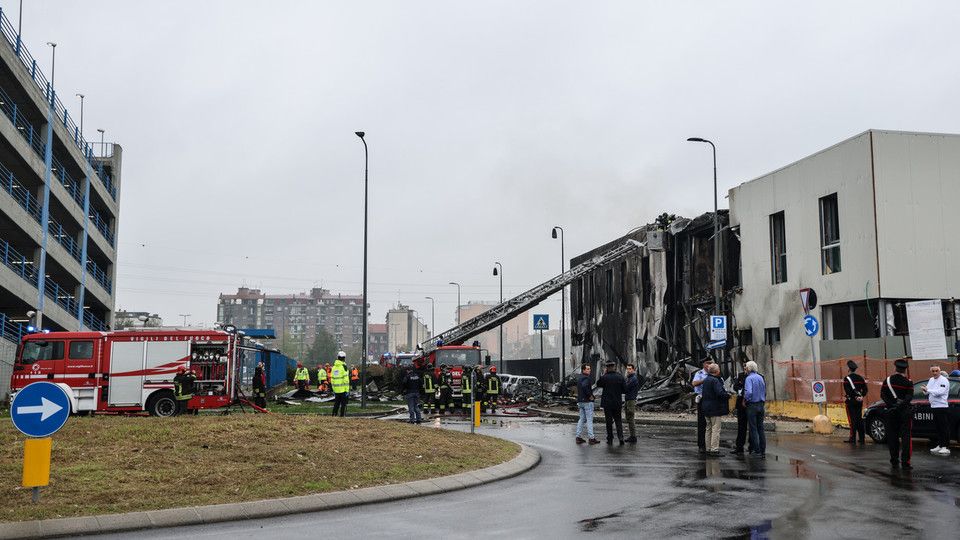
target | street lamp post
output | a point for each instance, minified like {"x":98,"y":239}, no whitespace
{"x":458,"y":300}
{"x":102,"y":144}
{"x":433,"y":310}
{"x":563,"y":308}
{"x":81,"y":96}
{"x":500,"y":266}
{"x":716,"y":229}
{"x":363,"y":361}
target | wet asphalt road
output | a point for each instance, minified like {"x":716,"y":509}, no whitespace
{"x":808,"y":487}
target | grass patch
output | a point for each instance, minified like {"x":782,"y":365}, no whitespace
{"x":326,"y":408}
{"x":106,"y":464}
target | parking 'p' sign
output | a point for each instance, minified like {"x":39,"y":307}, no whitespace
{"x":40,"y":409}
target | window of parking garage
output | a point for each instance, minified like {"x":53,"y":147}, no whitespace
{"x":851,"y":320}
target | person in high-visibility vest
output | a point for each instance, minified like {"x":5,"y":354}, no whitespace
{"x":302,"y":377}
{"x":354,"y":378}
{"x":321,"y":378}
{"x":340,"y":381}
{"x":493,"y":389}
{"x":429,"y":391}
{"x":329,"y":381}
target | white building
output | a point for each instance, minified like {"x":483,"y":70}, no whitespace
{"x":868,"y":224}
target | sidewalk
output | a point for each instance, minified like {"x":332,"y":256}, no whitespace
{"x":527,"y":459}
{"x":678,"y":419}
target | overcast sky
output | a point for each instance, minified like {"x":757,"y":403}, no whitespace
{"x":488,"y":123}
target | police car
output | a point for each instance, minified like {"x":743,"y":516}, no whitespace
{"x":923,"y":427}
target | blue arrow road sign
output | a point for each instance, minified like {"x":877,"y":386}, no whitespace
{"x":716,"y":344}
{"x":541,"y":322}
{"x":40,"y":409}
{"x":811,"y":325}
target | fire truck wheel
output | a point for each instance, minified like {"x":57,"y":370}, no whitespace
{"x":162,"y":404}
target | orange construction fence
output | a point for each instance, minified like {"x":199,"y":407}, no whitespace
{"x":799,"y":375}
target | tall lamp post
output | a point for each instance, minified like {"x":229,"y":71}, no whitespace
{"x":716,"y":229}
{"x":458,"y":300}
{"x":363,"y":361}
{"x":433,"y":310}
{"x":500,"y":266}
{"x":563,"y":307}
{"x":81,"y":96}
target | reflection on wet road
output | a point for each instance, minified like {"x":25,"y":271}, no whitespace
{"x":808,"y":487}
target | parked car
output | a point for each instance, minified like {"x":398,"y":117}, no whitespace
{"x":506,"y":380}
{"x":923,"y":427}
{"x":525,"y":382}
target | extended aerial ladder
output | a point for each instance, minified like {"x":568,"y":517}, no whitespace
{"x":511,"y":308}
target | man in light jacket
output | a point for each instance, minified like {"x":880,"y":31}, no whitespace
{"x":937,"y":389}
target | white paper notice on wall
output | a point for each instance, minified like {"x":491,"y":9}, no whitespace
{"x":927,"y":337}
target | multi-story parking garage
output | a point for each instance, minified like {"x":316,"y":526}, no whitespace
{"x":59,"y":204}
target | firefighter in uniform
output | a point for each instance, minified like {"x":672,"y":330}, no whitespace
{"x":478,"y":384}
{"x":466,"y":390}
{"x":897,"y":392}
{"x":854,"y":390}
{"x":341,"y":384}
{"x":259,"y":387}
{"x":445,"y":386}
{"x":354,"y":378}
{"x":302,"y":377}
{"x":183,"y":388}
{"x":429,"y":390}
{"x":493,"y":389}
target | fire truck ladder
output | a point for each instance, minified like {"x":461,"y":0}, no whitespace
{"x":511,"y":308}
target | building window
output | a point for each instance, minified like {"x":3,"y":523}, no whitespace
{"x":771,"y":336}
{"x":745,"y":337}
{"x":778,"y":249}
{"x":829,"y":235}
{"x":852,"y":320}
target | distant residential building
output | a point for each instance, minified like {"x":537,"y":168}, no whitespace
{"x":297,"y":315}
{"x":404,"y":329}
{"x":127,"y":319}
{"x":377,"y":340}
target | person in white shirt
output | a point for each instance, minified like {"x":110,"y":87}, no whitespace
{"x":937,"y":389}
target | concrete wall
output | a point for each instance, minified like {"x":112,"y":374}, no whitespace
{"x":917,"y":191}
{"x":844,"y":169}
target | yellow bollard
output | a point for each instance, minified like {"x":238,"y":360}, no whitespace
{"x":476,"y":414}
{"x":36,"y":464}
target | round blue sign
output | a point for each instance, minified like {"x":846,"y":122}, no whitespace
{"x":818,"y":387}
{"x":40,"y":409}
{"x":811,"y":325}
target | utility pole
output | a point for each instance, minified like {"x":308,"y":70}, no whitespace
{"x":184,"y":315}
{"x":363,"y":362}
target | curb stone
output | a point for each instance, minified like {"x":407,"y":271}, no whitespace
{"x":678,"y":422}
{"x":527,"y":459}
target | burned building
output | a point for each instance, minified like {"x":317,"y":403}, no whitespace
{"x":652,"y":308}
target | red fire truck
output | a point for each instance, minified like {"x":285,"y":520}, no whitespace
{"x":132,"y":370}
{"x":459,"y":358}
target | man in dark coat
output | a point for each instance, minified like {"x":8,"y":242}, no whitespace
{"x":259,"y":387}
{"x":614,"y":386}
{"x":741,"y":409}
{"x":854,"y":390}
{"x":715,"y":405}
{"x":897,"y":393}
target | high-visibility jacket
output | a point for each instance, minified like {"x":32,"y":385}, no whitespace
{"x":321,"y":376}
{"x":493,"y":385}
{"x":183,"y":385}
{"x":339,"y":377}
{"x":303,"y":374}
{"x":354,"y":374}
{"x":465,"y":387}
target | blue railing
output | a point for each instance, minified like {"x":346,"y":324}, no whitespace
{"x":63,"y":297}
{"x":30,"y":64}
{"x":21,"y":266}
{"x":29,"y":133}
{"x":21,"y":194}
{"x":12,"y":331}
{"x":93,"y":322}
{"x":65,"y":239}
{"x":99,"y":275}
{"x":101,"y":226}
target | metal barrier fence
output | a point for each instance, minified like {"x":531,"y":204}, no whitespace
{"x":799,"y":375}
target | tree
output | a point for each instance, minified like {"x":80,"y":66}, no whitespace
{"x":354,"y":354}
{"x":324,"y":348}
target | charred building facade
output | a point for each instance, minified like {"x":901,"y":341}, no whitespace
{"x":652,"y":308}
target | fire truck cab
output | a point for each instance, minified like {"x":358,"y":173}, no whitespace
{"x":459,"y":358}
{"x":130,"y":370}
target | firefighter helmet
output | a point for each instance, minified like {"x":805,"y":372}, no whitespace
{"x":493,"y":369}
